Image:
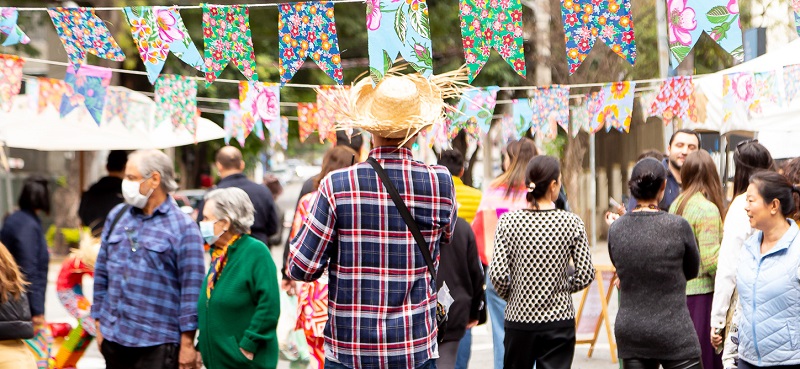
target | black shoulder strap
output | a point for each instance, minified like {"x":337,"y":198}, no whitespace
{"x":403,"y":209}
{"x":117,"y":217}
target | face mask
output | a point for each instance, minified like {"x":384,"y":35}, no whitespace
{"x":207,"y":231}
{"x":130,"y":191}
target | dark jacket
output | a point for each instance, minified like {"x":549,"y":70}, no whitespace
{"x":98,"y":201}
{"x":266,"y":216}
{"x":460,"y":267}
{"x":15,"y":319}
{"x":22,"y":234}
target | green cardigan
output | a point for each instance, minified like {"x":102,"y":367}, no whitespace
{"x":243,"y":310}
{"x":706,"y":223}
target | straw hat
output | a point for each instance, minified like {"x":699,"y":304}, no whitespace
{"x":399,"y":106}
{"x":88,"y":250}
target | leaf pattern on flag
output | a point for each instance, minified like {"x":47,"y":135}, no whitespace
{"x":673,"y":100}
{"x":176,"y":101}
{"x":688,"y":19}
{"x":88,"y":86}
{"x":492,"y":24}
{"x":475,"y":109}
{"x":522,"y":115}
{"x":398,"y":27}
{"x":226,"y":36}
{"x":308,"y":30}
{"x":9,"y":27}
{"x":260,"y":105}
{"x":306,"y":119}
{"x":81,"y":31}
{"x":157,"y":31}
{"x":587,"y":20}
{"x":10,"y":79}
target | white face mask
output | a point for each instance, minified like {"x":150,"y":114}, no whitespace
{"x":130,"y":191}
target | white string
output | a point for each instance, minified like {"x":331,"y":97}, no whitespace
{"x":185,"y":6}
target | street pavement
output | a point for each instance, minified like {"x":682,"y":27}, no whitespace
{"x":482,"y":344}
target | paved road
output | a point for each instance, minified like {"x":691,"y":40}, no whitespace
{"x":482,"y":339}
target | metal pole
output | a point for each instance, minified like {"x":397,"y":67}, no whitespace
{"x":593,"y":190}
{"x":663,"y":41}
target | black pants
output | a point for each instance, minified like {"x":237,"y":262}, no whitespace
{"x":745,"y":365}
{"x":548,"y":349}
{"x":695,"y":363}
{"x":155,"y":357}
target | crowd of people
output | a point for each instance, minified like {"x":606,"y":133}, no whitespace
{"x":393,"y":261}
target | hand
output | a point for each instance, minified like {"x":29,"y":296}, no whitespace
{"x":716,"y":340}
{"x":248,"y":355}
{"x":472,"y":324}
{"x":288,"y":286}
{"x":199,"y":362}
{"x":38,"y":321}
{"x":99,"y":336}
{"x":187,"y":358}
{"x":616,"y":283}
{"x":611,"y":217}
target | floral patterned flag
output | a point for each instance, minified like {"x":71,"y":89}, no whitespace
{"x":510,"y":130}
{"x":594,"y":104}
{"x":81,"y":31}
{"x":579,"y":118}
{"x":492,"y":24}
{"x":673,"y":99}
{"x":10,"y":79}
{"x":226,"y":32}
{"x":440,"y":135}
{"x":8,"y":26}
{"x":522,"y":115}
{"x":550,"y":108}
{"x":88,"y":85}
{"x":233,"y":124}
{"x":140,"y":114}
{"x":586,"y":20}
{"x":766,"y":95}
{"x":791,"y":82}
{"x":688,"y":19}
{"x":157,"y":30}
{"x":260,"y":105}
{"x":738,"y":95}
{"x":326,"y":113}
{"x":617,"y":109}
{"x":306,"y":119}
{"x":279,"y":132}
{"x":796,"y":7}
{"x":51,"y":91}
{"x":176,"y":101}
{"x":308,"y":29}
{"x":117,"y":106}
{"x":476,"y":108}
{"x":398,"y":27}
{"x":470,"y":128}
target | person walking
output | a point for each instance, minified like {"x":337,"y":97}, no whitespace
{"x":749,"y":157}
{"x":700,"y":203}
{"x":15,"y":316}
{"x":148,"y":272}
{"x":655,"y":253}
{"x":239,"y":301}
{"x":767,"y":276}
{"x":104,"y":195}
{"x":382,"y":309}
{"x":533,"y":250}
{"x":506,"y":193}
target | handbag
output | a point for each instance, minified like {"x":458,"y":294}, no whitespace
{"x":441,"y":312}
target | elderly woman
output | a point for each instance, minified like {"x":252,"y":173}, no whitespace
{"x":239,"y":303}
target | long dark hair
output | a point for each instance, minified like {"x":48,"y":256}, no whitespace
{"x":750,"y":157}
{"x":699,"y":174}
{"x":773,"y":186}
{"x":647,"y":177}
{"x":519,"y":154}
{"x":35,"y":194}
{"x":541,"y":171}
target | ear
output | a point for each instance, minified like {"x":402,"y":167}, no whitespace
{"x":241,"y":165}
{"x":775,"y":206}
{"x":461,"y":173}
{"x":155,"y":180}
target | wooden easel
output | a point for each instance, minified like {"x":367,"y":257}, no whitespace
{"x":603,"y":287}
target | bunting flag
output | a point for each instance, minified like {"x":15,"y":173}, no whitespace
{"x":440,"y":135}
{"x":279,"y":132}
{"x":10,"y":79}
{"x":698,"y":104}
{"x":476,"y":108}
{"x":117,"y":106}
{"x":226,"y":32}
{"x":586,"y":20}
{"x":176,"y":101}
{"x":617,"y":110}
{"x":738,"y":94}
{"x":469,"y":127}
{"x":51,"y":91}
{"x":579,"y":118}
{"x":306,"y":119}
{"x":9,"y":27}
{"x":308,"y":29}
{"x":88,"y":87}
{"x":492,"y":24}
{"x":398,"y":27}
{"x":767,"y":96}
{"x":157,"y":30}
{"x":688,"y":19}
{"x":326,"y":113}
{"x":140,"y":114}
{"x":233,"y":123}
{"x":594,"y":104}
{"x":260,"y":105}
{"x":81,"y":31}
{"x":522,"y":115}
{"x":791,"y":82}
{"x":550,"y":108}
{"x":510,"y":129}
{"x":796,"y":8}
{"x":673,"y":99}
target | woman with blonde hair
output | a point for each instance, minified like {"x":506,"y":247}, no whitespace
{"x":15,"y":316}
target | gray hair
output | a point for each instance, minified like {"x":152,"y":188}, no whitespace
{"x":234,"y":205}
{"x":149,"y":161}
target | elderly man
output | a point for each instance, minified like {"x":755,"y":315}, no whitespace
{"x":148,"y":272}
{"x":383,"y":298}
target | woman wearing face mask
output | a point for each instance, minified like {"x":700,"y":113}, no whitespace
{"x":239,"y":301}
{"x":768,"y":277}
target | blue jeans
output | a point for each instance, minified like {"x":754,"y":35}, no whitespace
{"x":497,"y":315}
{"x":464,"y":350}
{"x":430,"y":364}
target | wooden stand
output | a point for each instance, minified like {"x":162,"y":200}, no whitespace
{"x":593,"y":310}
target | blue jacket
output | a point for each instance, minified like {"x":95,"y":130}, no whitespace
{"x":769,"y":301}
{"x":23,"y":237}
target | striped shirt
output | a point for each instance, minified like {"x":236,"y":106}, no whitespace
{"x":382,"y":300}
{"x":147,"y":277}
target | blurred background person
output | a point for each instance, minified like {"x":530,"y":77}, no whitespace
{"x":15,"y":316}
{"x":105,"y":194}
{"x":274,"y":184}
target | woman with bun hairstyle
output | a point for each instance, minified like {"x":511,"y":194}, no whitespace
{"x":655,"y":253}
{"x":533,"y":248}
{"x":767,"y":278}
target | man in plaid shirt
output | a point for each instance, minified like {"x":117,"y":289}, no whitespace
{"x":382,"y":299}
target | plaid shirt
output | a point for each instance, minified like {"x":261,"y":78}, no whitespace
{"x":148,"y":276}
{"x":382,"y":299}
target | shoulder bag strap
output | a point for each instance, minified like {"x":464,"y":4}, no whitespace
{"x":117,"y":218}
{"x":405,"y":213}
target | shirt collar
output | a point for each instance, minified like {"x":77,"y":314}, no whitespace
{"x":391,"y":153}
{"x":754,"y":243}
{"x":164,"y":208}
